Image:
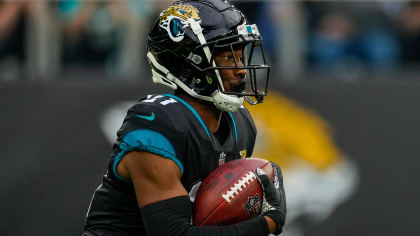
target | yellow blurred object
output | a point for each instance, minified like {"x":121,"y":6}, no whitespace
{"x":289,"y":133}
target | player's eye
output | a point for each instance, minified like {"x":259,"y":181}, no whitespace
{"x":229,"y":58}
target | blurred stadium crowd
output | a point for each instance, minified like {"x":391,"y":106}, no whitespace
{"x":351,"y":40}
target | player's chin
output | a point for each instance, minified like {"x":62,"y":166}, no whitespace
{"x":234,"y":85}
{"x":238,"y":87}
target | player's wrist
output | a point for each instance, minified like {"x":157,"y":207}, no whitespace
{"x":278,"y":219}
{"x":272,"y":227}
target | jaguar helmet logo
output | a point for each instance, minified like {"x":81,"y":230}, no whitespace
{"x":174,"y":20}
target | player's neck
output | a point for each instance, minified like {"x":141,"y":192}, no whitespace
{"x":207,"y":111}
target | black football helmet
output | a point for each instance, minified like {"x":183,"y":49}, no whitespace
{"x":184,"y":40}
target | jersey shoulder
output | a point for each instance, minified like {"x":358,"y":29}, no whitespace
{"x":153,"y":112}
{"x":152,"y":125}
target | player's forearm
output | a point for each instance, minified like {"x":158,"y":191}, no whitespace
{"x":173,"y":217}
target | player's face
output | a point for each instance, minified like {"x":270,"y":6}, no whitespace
{"x":231,"y":76}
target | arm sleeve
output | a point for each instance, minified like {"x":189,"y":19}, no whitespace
{"x":174,"y":217}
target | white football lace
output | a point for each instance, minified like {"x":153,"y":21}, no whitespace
{"x":239,"y":186}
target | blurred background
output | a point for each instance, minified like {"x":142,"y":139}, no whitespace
{"x":341,"y":117}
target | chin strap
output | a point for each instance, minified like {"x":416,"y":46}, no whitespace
{"x":196,"y":28}
{"x":166,"y":78}
{"x":227,"y":103}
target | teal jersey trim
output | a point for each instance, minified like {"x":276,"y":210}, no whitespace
{"x":145,"y":140}
{"x":234,"y":126}
{"x":192,"y":110}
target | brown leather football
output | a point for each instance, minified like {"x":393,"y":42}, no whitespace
{"x":231,"y":193}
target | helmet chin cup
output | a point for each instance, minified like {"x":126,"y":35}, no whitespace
{"x":227,"y":103}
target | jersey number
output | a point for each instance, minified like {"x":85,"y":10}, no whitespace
{"x":151,"y":98}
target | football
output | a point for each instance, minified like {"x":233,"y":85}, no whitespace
{"x":231,"y":193}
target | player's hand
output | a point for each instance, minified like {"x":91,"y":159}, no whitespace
{"x":274,"y":199}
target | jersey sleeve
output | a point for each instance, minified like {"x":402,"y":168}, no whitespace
{"x":150,"y":126}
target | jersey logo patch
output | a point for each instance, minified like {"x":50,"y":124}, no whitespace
{"x":222,"y":158}
{"x":149,"y":118}
{"x":242,"y":153}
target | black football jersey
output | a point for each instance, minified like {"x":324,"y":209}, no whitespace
{"x":167,"y":126}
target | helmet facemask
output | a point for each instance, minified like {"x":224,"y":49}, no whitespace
{"x":254,"y":85}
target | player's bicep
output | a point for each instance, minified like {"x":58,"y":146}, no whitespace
{"x":154,"y":177}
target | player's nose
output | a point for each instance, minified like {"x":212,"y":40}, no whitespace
{"x":241,"y":72}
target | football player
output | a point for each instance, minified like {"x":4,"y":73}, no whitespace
{"x":206,"y":51}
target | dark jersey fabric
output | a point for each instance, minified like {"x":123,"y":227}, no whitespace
{"x":168,"y":126}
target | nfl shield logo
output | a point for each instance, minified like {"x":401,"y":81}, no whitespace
{"x":253,"y":206}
